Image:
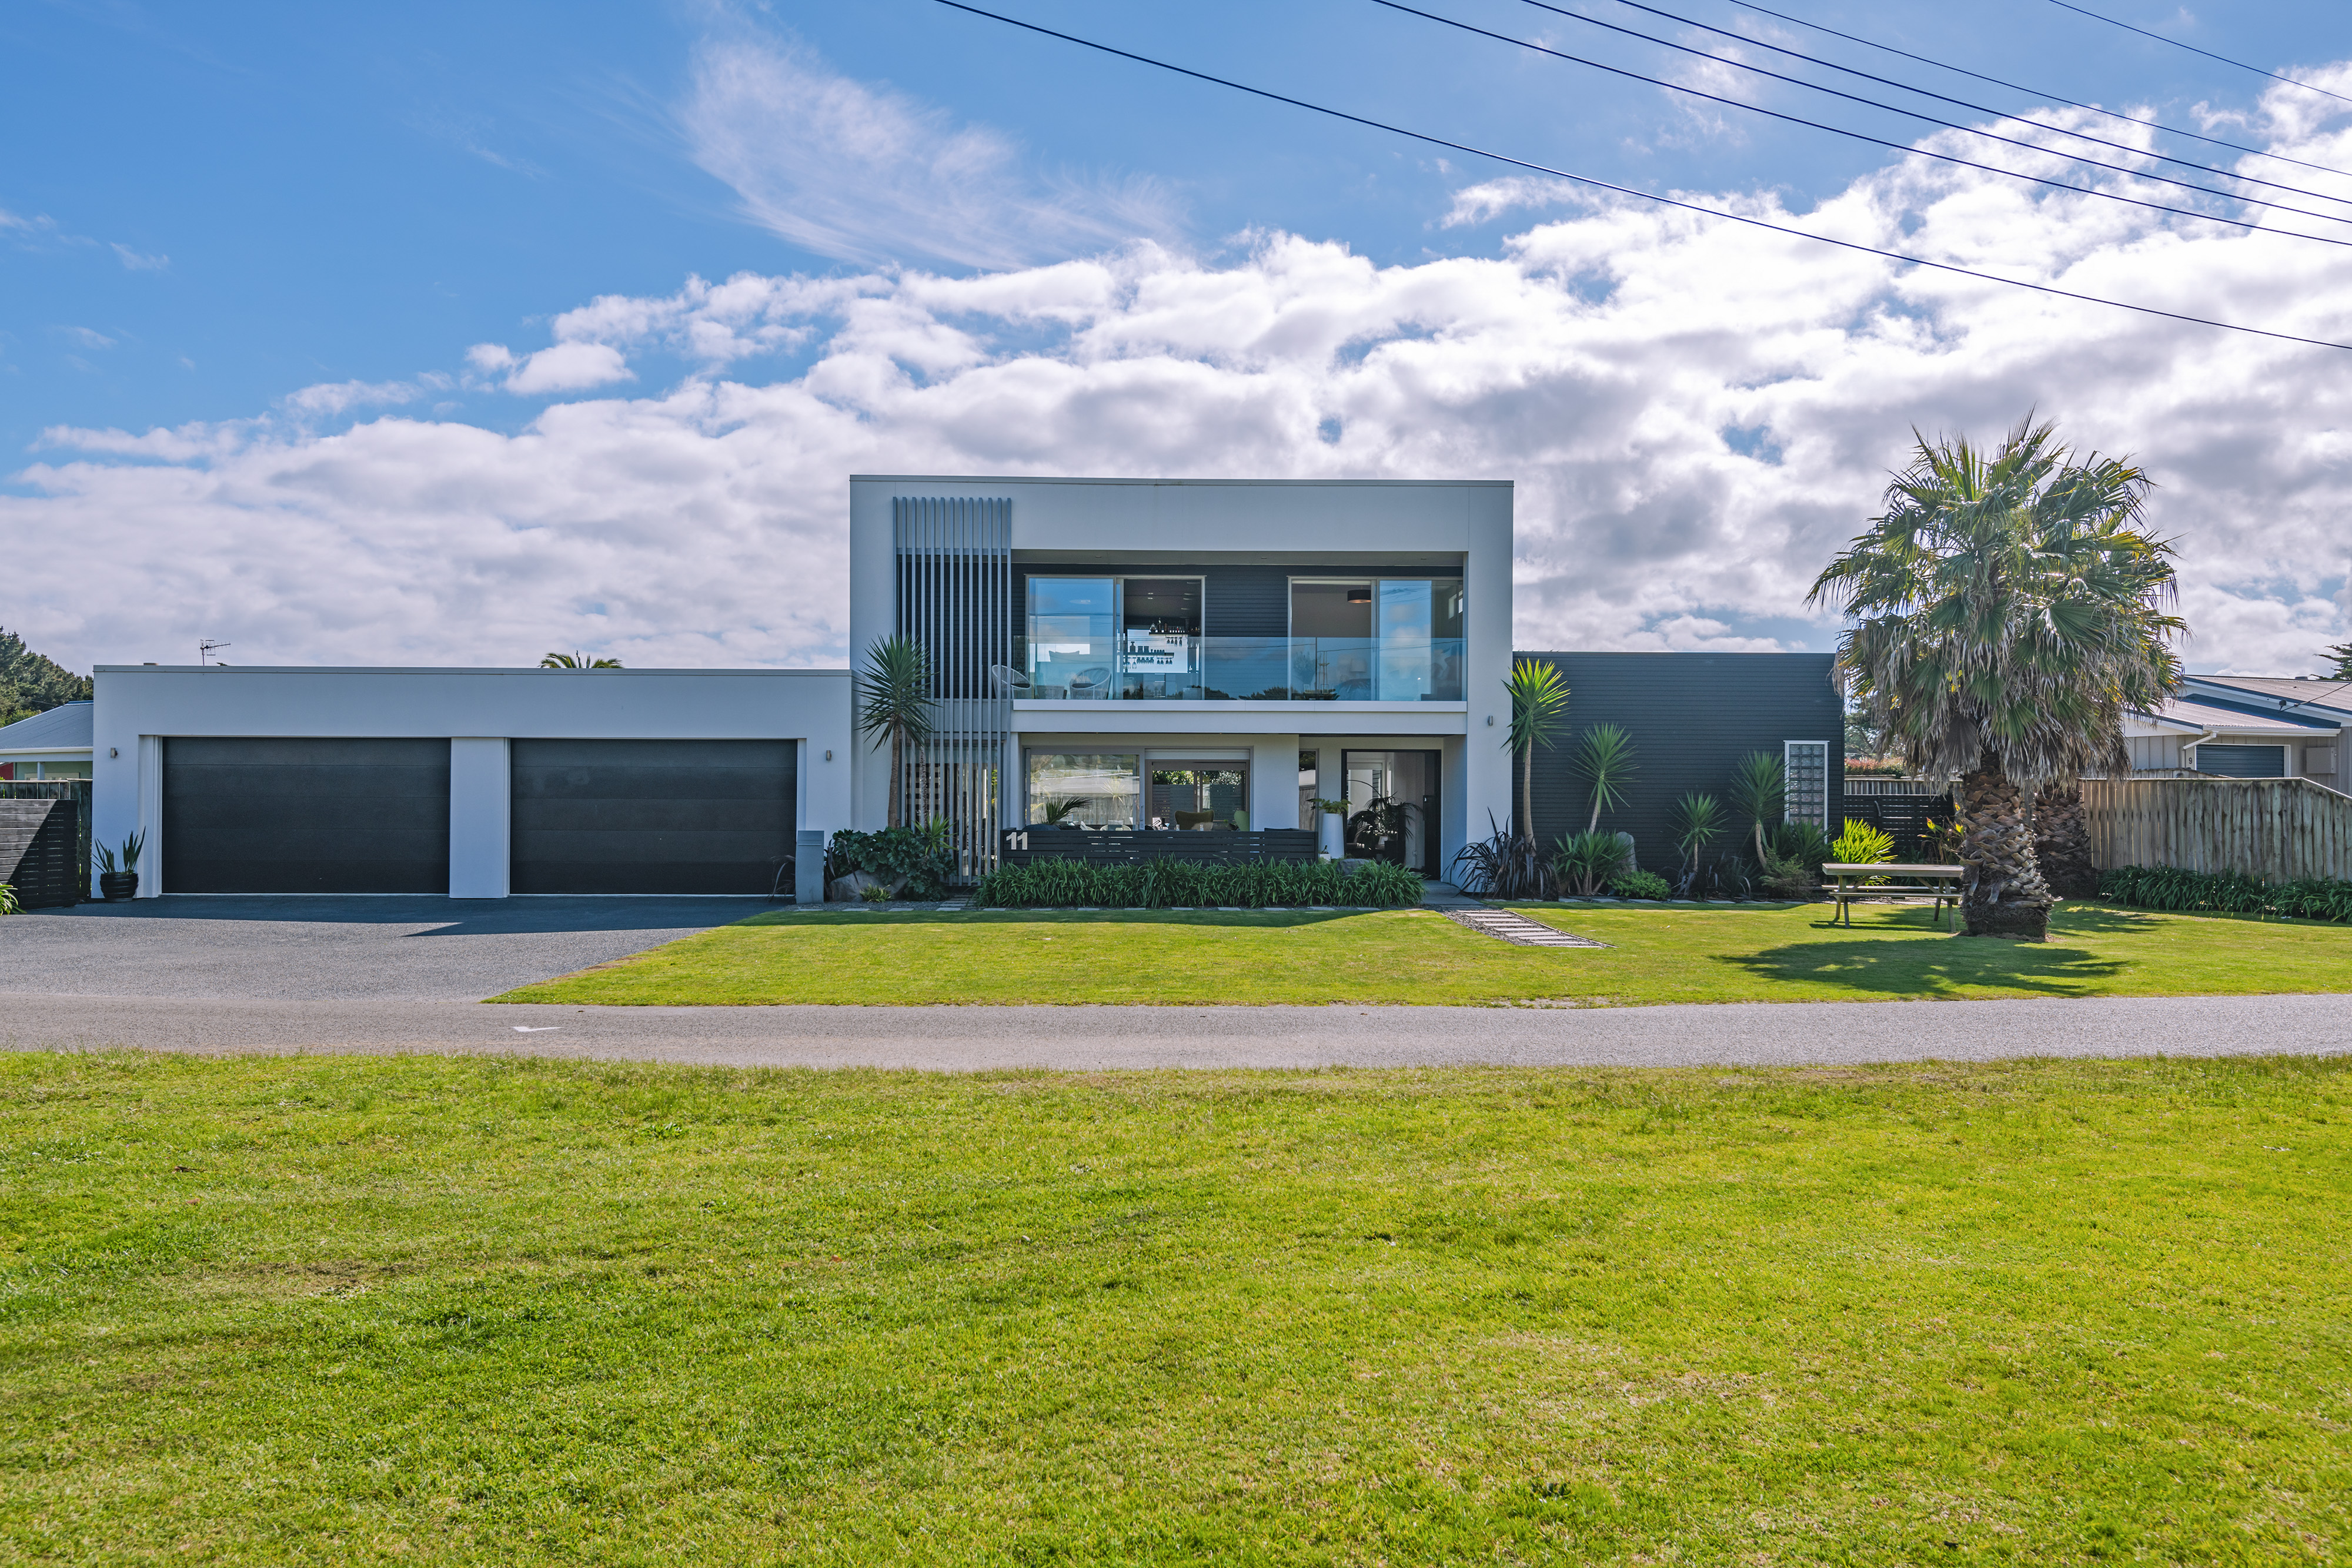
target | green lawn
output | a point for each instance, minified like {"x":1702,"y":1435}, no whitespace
{"x":1748,"y":953}
{"x":356,"y":1309}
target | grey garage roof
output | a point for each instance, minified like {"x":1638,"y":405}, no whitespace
{"x":2328,"y":695}
{"x":62,"y":729}
{"x":2197,"y":713}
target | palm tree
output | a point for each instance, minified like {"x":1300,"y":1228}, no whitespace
{"x":1538,"y":698}
{"x":1604,"y":760}
{"x":2005,"y":611}
{"x":576,"y":660}
{"x":893,"y":698}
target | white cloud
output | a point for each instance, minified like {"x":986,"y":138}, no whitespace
{"x":87,"y":337}
{"x":134,"y":261}
{"x":330,"y":398}
{"x":573,"y":366}
{"x":1698,"y":415}
{"x":869,"y":175}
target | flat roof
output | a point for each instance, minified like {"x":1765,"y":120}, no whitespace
{"x":443,"y":669}
{"x":1071,"y":479}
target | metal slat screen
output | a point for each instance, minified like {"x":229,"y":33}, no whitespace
{"x":955,"y":598}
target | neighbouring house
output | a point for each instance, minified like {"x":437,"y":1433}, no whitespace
{"x":50,"y":745}
{"x":1154,"y":655}
{"x":2229,"y":730}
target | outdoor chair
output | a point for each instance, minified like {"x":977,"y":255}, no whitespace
{"x":1087,"y":681}
{"x":1008,"y":681}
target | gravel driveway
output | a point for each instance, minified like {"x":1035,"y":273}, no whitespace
{"x":335,"y":949}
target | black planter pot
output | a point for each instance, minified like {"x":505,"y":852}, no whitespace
{"x":118,"y":884}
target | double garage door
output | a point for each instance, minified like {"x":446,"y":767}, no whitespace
{"x":248,"y":815}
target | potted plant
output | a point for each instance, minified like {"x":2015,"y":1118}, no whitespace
{"x":118,"y":881}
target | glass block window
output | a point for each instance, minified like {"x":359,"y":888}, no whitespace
{"x":1808,"y":765}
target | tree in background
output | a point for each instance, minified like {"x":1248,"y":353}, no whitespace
{"x":30,"y":684}
{"x":894,"y":703}
{"x":2342,"y":654}
{"x":577,"y":661}
{"x":1539,"y":699}
{"x":2006,"y":610}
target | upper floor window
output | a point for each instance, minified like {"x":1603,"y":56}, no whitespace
{"x":1350,"y":639}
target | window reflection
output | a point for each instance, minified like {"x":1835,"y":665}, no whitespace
{"x":1083,"y":789}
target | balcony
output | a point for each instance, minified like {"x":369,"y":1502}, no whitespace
{"x":1150,"y":667}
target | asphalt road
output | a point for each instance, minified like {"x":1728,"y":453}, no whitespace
{"x":1090,"y":1039}
{"x":383,"y":975}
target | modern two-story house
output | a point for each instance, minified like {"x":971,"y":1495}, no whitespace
{"x":1183,"y":655}
{"x":1160,"y":655}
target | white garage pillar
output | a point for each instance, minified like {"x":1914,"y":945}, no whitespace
{"x":481,"y":807}
{"x":151,"y":817}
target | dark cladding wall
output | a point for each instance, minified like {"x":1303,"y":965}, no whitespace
{"x":1692,"y":718}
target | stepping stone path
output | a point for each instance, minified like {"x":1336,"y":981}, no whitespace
{"x":1517,"y":929}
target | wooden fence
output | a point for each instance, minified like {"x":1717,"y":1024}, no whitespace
{"x":2279,"y":830}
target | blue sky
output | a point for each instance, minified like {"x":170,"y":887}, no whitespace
{"x":206,"y":213}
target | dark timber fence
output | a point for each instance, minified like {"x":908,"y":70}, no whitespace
{"x":74,"y":790}
{"x":1212,"y":847}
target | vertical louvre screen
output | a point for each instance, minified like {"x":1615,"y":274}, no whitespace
{"x":1808,"y":765}
{"x":955,"y":598}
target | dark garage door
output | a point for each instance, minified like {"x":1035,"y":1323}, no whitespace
{"x":2242,"y":761}
{"x":256,"y":815}
{"x":652,"y":816}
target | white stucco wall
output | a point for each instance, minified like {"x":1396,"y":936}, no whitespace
{"x":1135,"y":520}
{"x":479,"y":710}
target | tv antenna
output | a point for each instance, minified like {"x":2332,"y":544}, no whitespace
{"x":206,"y":647}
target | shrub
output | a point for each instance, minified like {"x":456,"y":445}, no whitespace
{"x":2228,"y":893}
{"x":1057,"y":884}
{"x":1587,"y":861}
{"x":1862,"y":844}
{"x":913,"y":862}
{"x":1640,"y":884}
{"x":8,"y":898}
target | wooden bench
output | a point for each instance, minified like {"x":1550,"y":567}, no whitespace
{"x":1921,"y":884}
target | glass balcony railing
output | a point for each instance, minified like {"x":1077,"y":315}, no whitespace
{"x":1163,"y":668}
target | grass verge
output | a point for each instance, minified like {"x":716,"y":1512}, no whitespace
{"x":361,"y":1310}
{"x":1744,"y":953}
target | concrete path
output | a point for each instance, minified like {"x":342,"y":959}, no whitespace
{"x":1095,"y":1039}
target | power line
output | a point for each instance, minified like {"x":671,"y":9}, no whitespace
{"x":1923,"y":93}
{"x":2031,"y":92}
{"x":1642,"y":195}
{"x":1905,"y":148}
{"x":2193,"y":49}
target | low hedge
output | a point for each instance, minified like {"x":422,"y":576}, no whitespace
{"x":1172,"y":884}
{"x":2227,"y":893}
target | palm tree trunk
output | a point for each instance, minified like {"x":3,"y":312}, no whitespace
{"x":2061,"y":842}
{"x":2005,"y":895}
